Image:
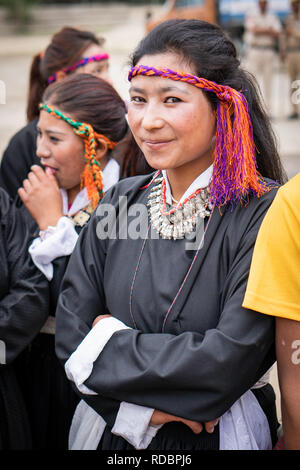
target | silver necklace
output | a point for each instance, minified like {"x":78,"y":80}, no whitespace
{"x":177,"y":222}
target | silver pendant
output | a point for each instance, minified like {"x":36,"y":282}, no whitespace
{"x":183,"y":220}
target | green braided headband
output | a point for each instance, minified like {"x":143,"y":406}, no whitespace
{"x":91,"y":177}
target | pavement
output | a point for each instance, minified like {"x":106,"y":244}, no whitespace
{"x":15,"y":58}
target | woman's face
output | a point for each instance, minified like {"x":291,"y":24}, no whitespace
{"x":61,"y":150}
{"x":99,"y":69}
{"x":172,"y":122}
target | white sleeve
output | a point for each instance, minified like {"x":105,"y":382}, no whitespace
{"x":132,"y":421}
{"x":52,"y":243}
{"x":80,"y":364}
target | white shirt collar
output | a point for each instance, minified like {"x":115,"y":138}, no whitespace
{"x":200,"y":182}
{"x":110,"y":175}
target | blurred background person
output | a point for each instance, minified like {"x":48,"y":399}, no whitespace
{"x":290,"y":50}
{"x":71,"y":50}
{"x":262,"y":30}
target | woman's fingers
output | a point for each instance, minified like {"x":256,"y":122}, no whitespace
{"x":27,"y":185}
{"x":33,"y":179}
{"x":22,"y":193}
{"x":193,"y":425}
{"x":210,"y":425}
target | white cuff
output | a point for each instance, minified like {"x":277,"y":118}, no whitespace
{"x":52,"y":243}
{"x":132,"y":423}
{"x":79,"y":366}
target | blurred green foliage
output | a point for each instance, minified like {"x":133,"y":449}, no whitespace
{"x":19,"y":11}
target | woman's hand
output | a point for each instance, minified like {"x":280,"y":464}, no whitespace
{"x":99,"y":318}
{"x":41,"y":196}
{"x":160,"y":417}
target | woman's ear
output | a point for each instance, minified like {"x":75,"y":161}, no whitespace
{"x":101,"y":151}
{"x":60,"y":75}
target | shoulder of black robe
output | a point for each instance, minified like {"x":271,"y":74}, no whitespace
{"x":24,"y":295}
{"x":59,"y":264}
{"x":216,"y":367}
{"x":18,"y":157}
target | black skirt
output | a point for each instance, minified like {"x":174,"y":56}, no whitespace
{"x":14,"y":425}
{"x":49,"y":397}
{"x":177,"y":436}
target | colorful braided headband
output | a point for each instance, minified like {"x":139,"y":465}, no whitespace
{"x":80,"y":63}
{"x":235,"y":169}
{"x":91,"y":177}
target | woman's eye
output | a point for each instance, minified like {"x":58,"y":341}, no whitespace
{"x":137,"y":99}
{"x":172,"y":99}
{"x":54,"y":139}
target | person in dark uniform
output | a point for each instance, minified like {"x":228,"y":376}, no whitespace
{"x":157,"y":343}
{"x":70,"y":51}
{"x":24,"y":307}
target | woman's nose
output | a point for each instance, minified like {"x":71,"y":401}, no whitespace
{"x":42,"y":150}
{"x":152,"y":118}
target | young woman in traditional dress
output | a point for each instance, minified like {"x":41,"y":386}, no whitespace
{"x":173,"y":361}
{"x":82,"y":120}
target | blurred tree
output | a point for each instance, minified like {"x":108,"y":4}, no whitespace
{"x":19,"y":12}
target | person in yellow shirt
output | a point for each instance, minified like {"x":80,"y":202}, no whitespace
{"x":274,"y":289}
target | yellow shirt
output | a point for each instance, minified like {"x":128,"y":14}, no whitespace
{"x":274,"y":281}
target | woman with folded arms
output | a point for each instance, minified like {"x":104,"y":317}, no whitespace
{"x":150,"y":323}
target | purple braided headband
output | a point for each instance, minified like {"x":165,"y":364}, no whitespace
{"x":80,"y":63}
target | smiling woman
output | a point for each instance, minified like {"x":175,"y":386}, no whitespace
{"x":162,"y":116}
{"x":173,"y":361}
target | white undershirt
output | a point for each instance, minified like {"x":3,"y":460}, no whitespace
{"x":200,"y":182}
{"x":60,"y":240}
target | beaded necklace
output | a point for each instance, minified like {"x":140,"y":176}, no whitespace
{"x":179,"y":221}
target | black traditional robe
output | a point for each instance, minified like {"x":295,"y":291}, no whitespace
{"x":200,"y":358}
{"x":49,"y":397}
{"x":18,"y":158}
{"x":24,"y":303}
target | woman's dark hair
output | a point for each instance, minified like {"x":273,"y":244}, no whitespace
{"x":66,"y":47}
{"x":213,"y":56}
{"x":94,"y":101}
